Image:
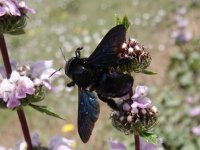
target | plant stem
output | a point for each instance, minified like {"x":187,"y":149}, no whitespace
{"x":24,"y":126}
{"x":5,"y":56}
{"x":137,"y":142}
{"x":20,"y":111}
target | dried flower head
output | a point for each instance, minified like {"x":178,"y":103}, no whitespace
{"x":133,"y":57}
{"x":136,"y":114}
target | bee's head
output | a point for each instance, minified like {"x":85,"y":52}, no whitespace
{"x":73,"y":62}
{"x":69,"y":66}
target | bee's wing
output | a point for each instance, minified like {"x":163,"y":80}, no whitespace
{"x":88,"y":113}
{"x":105,"y":54}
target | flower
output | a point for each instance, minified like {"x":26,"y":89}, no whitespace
{"x":56,"y":143}
{"x":136,"y":114}
{"x":138,"y":56}
{"x":68,"y":127}
{"x":15,"y":88}
{"x":25,"y":81}
{"x":115,"y":145}
{"x":14,"y":8}
{"x":148,"y":146}
{"x":61,"y":143}
{"x":13,"y":15}
{"x":195,"y":111}
{"x":139,"y":99}
{"x":21,"y":145}
{"x":41,"y":71}
{"x":191,"y":99}
{"x":196,"y":130}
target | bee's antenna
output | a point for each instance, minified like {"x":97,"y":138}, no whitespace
{"x":55,"y":72}
{"x":63,"y":54}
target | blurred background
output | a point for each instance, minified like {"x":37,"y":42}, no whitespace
{"x":170,"y":30}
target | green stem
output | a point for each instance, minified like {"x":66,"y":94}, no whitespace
{"x":20,"y":111}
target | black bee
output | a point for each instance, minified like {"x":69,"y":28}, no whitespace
{"x":93,"y":74}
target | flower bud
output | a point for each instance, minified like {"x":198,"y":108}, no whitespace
{"x":154,"y":109}
{"x":126,"y":107}
{"x":130,"y":118}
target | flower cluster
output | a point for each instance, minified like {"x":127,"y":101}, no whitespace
{"x":137,"y":57}
{"x":13,"y":16}
{"x":181,"y":35}
{"x":56,"y":143}
{"x":25,"y":84}
{"x":116,"y":145}
{"x":136,"y":114}
{"x":194,"y":112}
{"x":14,"y":8}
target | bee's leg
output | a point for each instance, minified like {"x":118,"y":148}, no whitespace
{"x":77,"y":52}
{"x":110,"y":102}
{"x":70,"y":84}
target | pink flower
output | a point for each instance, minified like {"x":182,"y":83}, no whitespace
{"x":14,"y":8}
{"x":140,"y":92}
{"x":25,"y":86}
{"x":196,"y":130}
{"x":139,"y":98}
{"x":115,"y":145}
{"x":12,"y":101}
{"x":195,"y":111}
{"x":141,"y":103}
{"x":15,"y":88}
{"x":60,"y":143}
{"x":41,"y":72}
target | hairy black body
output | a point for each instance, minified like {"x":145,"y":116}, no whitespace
{"x":93,"y":74}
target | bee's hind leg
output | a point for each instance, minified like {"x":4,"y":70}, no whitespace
{"x":109,"y":101}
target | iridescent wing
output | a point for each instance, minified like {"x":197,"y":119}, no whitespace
{"x":88,"y":114}
{"x":105,"y":54}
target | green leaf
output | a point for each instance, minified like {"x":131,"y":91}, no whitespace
{"x":17,"y":32}
{"x":126,"y":22}
{"x":45,"y":110}
{"x":117,"y":20}
{"x":123,"y":21}
{"x":149,"y":137}
{"x":149,"y":72}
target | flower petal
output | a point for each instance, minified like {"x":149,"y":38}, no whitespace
{"x":115,"y":145}
{"x":38,"y":67}
{"x":196,"y":130}
{"x":13,"y":9}
{"x":60,"y":141}
{"x":140,"y":92}
{"x":2,"y":11}
{"x":20,"y":91}
{"x":25,"y":8}
{"x":47,"y":85}
{"x":194,"y":112}
{"x":27,"y":82}
{"x":6,"y":86}
{"x":25,"y":86}
{"x":13,"y":101}
{"x":141,"y":103}
{"x":14,"y":77}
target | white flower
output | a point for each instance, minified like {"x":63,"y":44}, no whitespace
{"x":60,"y":143}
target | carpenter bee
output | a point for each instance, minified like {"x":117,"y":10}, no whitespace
{"x":93,"y":74}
